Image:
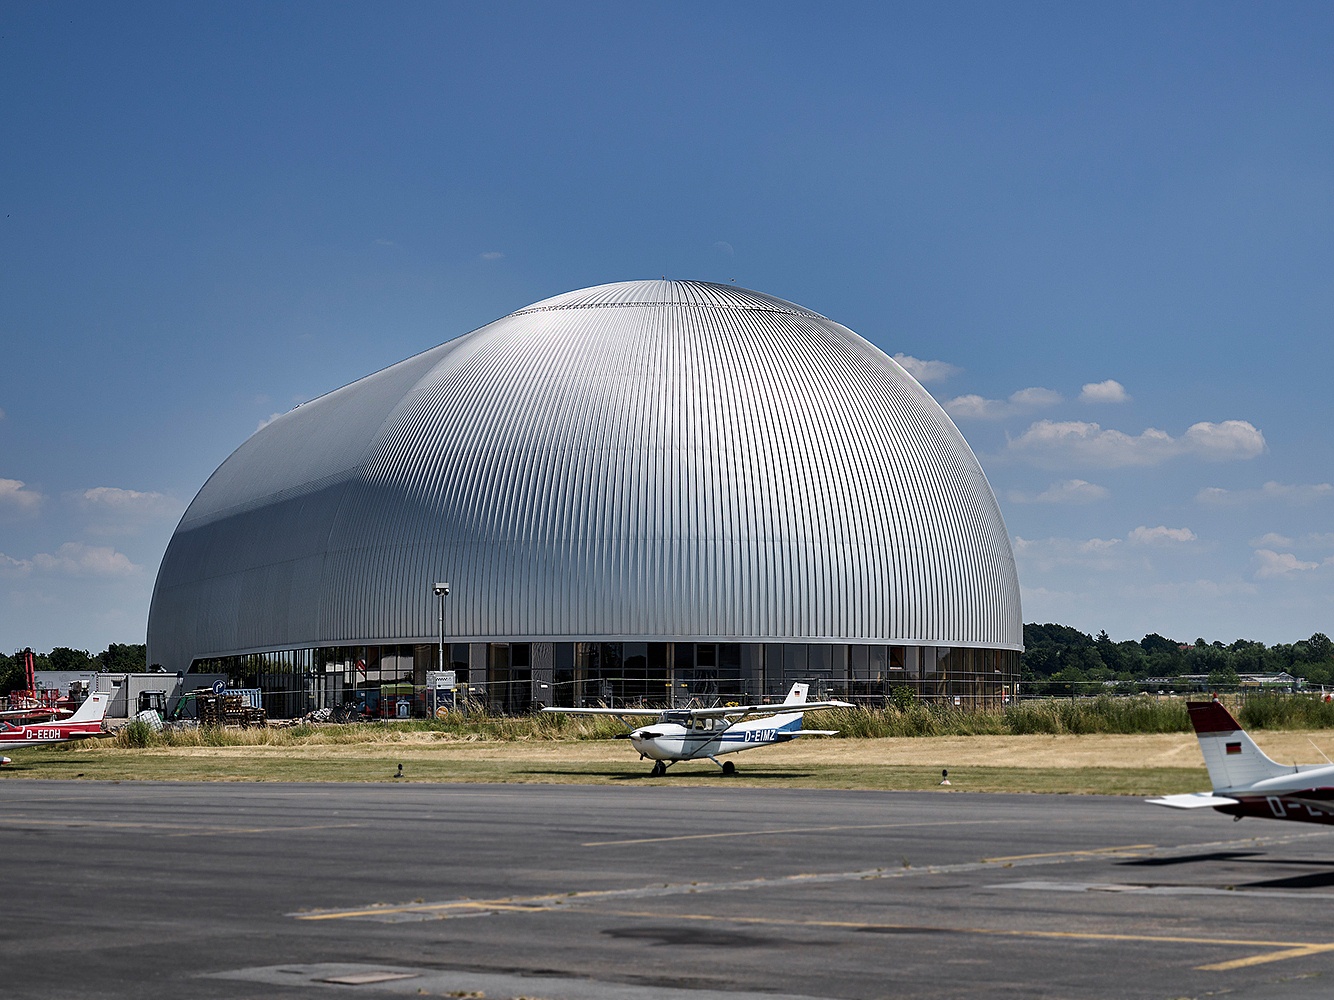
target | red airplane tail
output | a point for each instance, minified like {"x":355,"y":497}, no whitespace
{"x":1233,"y":759}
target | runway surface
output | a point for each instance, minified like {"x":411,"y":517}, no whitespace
{"x":595,"y":893}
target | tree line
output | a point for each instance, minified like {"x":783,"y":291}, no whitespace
{"x":1058,"y":659}
{"x":117,"y":658}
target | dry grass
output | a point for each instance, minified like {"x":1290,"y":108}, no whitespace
{"x":1149,"y":764}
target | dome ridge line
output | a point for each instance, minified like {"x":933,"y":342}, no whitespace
{"x":690,"y":305}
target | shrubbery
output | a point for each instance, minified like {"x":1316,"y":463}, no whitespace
{"x":908,"y":718}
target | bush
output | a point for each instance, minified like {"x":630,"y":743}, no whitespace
{"x":902,"y":717}
{"x":137,"y":734}
{"x":1278,"y":711}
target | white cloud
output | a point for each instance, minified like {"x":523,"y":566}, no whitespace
{"x":1048,"y":442}
{"x":491,"y":255}
{"x":1104,"y":554}
{"x":73,"y":559}
{"x":1067,"y":491}
{"x":1194,"y":590}
{"x":1110,"y":391}
{"x":1232,"y":439}
{"x":1271,"y":492}
{"x":1312,"y":540}
{"x":1276,"y":564}
{"x":1035,"y":396}
{"x":1091,"y":553}
{"x":1073,"y":440}
{"x":980,"y":408}
{"x":2,"y":414}
{"x":16,"y":496}
{"x":266,"y":421}
{"x":973,"y":407}
{"x":722,"y":246}
{"x":1272,"y":540}
{"x":1161,"y":535}
{"x":925,"y":371}
{"x":13,"y":567}
{"x":135,"y":502}
{"x":114,"y":511}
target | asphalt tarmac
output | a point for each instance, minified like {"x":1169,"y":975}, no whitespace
{"x":594,"y":893}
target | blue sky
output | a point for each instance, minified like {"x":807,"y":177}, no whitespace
{"x":1102,"y":235}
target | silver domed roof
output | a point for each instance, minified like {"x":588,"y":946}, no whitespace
{"x":642,"y":460}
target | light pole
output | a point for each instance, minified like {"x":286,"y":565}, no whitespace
{"x":441,"y":591}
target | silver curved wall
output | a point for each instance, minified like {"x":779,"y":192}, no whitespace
{"x":643,"y":460}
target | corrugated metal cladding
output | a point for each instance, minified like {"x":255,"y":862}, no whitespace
{"x":644,"y":460}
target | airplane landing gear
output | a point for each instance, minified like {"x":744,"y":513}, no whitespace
{"x":728,"y":767}
{"x":659,"y":769}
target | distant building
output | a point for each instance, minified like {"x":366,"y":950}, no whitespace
{"x":1200,"y":682}
{"x":644,"y":492}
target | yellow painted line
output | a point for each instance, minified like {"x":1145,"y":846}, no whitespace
{"x":780,"y":831}
{"x":168,"y":829}
{"x":1074,"y":854}
{"x":1274,"y":951}
{"x":1273,"y":956}
{"x":220,"y":830}
{"x":1286,"y":949}
{"x":526,"y":904}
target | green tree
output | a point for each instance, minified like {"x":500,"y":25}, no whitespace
{"x":11,"y":674}
{"x":1110,"y":653}
{"x":1322,"y":650}
{"x":1069,"y":681}
{"x":1155,"y":643}
{"x":64,"y":658}
{"x":120,"y":658}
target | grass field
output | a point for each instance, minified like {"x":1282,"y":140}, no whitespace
{"x":1125,"y":765}
{"x":1096,"y":763}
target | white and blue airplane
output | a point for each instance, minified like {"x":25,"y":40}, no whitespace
{"x":708,"y":733}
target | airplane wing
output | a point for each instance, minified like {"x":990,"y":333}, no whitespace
{"x":654,"y":712}
{"x":1192,"y":800}
{"x":768,"y":708}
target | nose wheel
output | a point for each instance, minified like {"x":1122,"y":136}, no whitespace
{"x":659,"y":769}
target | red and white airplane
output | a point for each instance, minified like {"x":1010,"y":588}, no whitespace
{"x":87,"y":721}
{"x":1246,"y":781}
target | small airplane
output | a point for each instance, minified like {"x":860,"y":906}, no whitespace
{"x":707,"y":733}
{"x":87,"y":721}
{"x":1246,"y":781}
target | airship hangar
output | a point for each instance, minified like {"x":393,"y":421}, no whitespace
{"x":642,"y":493}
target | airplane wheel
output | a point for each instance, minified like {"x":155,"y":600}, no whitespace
{"x":659,"y":769}
{"x":729,"y":767}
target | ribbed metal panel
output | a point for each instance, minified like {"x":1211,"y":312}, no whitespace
{"x":643,"y":460}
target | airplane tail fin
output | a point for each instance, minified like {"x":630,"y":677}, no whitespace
{"x":1233,"y":759}
{"x":94,"y":709}
{"x":797,"y":695}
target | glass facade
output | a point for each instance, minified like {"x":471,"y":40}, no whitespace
{"x":390,"y":681}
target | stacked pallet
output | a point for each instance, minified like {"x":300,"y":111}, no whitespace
{"x":229,"y":710}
